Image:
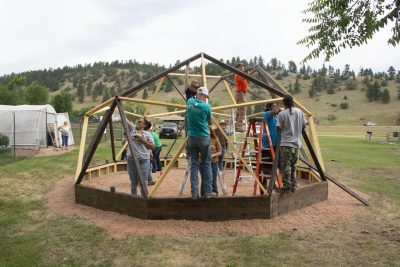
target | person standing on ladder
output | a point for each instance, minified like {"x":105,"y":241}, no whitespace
{"x":240,"y":90}
{"x":290,"y":124}
{"x":199,"y":117}
{"x":270,"y":117}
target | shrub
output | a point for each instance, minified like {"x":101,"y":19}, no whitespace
{"x":4,"y":141}
{"x":344,"y":105}
{"x":333,"y":105}
{"x":331,"y":117}
{"x":331,"y":91}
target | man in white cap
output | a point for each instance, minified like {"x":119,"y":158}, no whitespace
{"x":199,"y":117}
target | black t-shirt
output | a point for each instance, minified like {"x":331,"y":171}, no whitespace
{"x":189,"y":94}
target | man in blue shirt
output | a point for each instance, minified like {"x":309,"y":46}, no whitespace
{"x":199,"y":117}
{"x":269,"y":116}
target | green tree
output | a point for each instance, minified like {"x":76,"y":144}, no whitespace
{"x":347,"y":23}
{"x":62,"y":102}
{"x":292,"y":66}
{"x":391,"y":73}
{"x":296,"y":87}
{"x":106,"y":94}
{"x":145,"y":94}
{"x":37,"y":94}
{"x":80,"y":92}
{"x":344,"y":105}
{"x":8,"y":97}
{"x":175,"y":100}
{"x":385,"y":96}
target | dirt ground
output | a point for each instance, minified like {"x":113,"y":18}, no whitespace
{"x":339,"y":206}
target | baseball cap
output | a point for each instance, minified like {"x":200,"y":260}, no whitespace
{"x":203,"y":90}
{"x":222,"y":122}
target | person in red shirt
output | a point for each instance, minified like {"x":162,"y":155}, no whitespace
{"x":240,"y":90}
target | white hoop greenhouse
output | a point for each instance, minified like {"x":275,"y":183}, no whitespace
{"x":32,"y":126}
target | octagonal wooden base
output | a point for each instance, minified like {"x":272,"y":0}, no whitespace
{"x":213,"y":209}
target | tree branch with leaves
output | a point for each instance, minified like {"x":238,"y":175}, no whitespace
{"x":347,"y":23}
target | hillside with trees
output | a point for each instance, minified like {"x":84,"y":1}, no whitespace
{"x":335,"y":96}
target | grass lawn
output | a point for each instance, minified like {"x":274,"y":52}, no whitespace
{"x":33,"y":235}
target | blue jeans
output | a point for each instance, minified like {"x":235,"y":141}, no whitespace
{"x":200,"y":145}
{"x":133,"y":175}
{"x":156,"y":163}
{"x":221,"y":159}
{"x":214,"y":170}
{"x":64,"y":140}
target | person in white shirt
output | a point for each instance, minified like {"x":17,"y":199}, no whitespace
{"x":290,"y":125}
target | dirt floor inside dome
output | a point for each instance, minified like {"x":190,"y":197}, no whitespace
{"x":339,"y":206}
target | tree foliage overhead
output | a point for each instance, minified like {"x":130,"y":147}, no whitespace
{"x":348,"y":23}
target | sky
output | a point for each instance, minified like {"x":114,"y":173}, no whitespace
{"x":52,"y":33}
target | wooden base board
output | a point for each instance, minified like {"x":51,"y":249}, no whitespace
{"x":213,"y":209}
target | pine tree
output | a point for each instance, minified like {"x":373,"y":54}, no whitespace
{"x":296,"y":87}
{"x":145,"y":94}
{"x":391,"y":73}
{"x":80,"y":92}
{"x":385,"y":96}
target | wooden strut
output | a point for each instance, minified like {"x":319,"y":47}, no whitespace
{"x":112,"y":141}
{"x":274,"y":168}
{"x":153,"y":96}
{"x":95,"y":141}
{"x":168,"y":168}
{"x":162,"y":74}
{"x":159,"y":103}
{"x":336,"y":182}
{"x":244,"y":75}
{"x":313,"y":155}
{"x":239,"y":155}
{"x":142,"y":180}
{"x":176,"y":88}
{"x":82,"y":146}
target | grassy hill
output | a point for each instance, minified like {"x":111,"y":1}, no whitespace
{"x":102,"y":80}
{"x":325,"y":107}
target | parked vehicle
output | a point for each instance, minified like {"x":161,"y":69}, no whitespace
{"x":370,"y":123}
{"x":168,"y":130}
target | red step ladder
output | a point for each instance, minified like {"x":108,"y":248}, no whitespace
{"x":251,"y":133}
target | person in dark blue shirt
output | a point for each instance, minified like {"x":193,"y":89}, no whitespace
{"x":270,"y":117}
{"x":192,"y":90}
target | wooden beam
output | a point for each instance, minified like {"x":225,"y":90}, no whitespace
{"x":313,"y":156}
{"x":255,"y":114}
{"x":152,"y":102}
{"x":248,"y":104}
{"x":112,"y":141}
{"x":82,"y":146}
{"x":314,"y":141}
{"x":122,"y":150}
{"x":124,"y":121}
{"x":186,"y":75}
{"x":99,"y":107}
{"x":244,"y":75}
{"x":228,"y":89}
{"x":203,"y":71}
{"x":221,"y":114}
{"x":168,"y":168}
{"x":95,"y":141}
{"x":162,"y":74}
{"x":166,"y":113}
{"x":194,"y":75}
{"x":154,"y":95}
{"x":232,"y":146}
{"x":298,"y":105}
{"x":337,"y":182}
{"x":134,"y":114}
